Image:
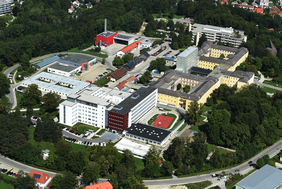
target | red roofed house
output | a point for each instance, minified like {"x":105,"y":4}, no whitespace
{"x":43,"y":180}
{"x":116,"y":75}
{"x":258,"y":10}
{"x":130,"y":48}
{"x":275,"y":10}
{"x":102,"y":185}
{"x":121,"y":84}
{"x":224,"y":2}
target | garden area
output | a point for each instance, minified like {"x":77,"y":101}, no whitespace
{"x":269,"y":90}
{"x":273,"y":83}
{"x":103,"y":81}
{"x":82,"y":128}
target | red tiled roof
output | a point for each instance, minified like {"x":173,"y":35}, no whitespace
{"x":275,"y":10}
{"x":131,"y":78}
{"x":248,"y":6}
{"x":119,"y":73}
{"x":258,"y":10}
{"x":224,"y":2}
{"x":43,"y":176}
{"x":121,"y":84}
{"x":105,"y":185}
{"x":130,"y":47}
{"x":271,"y":29}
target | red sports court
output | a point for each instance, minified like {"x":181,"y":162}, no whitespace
{"x":162,"y":121}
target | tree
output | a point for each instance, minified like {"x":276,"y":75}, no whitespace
{"x":127,"y":57}
{"x":25,"y":61}
{"x":222,"y":56}
{"x":170,"y":24}
{"x":29,"y":113}
{"x":145,"y":78}
{"x":31,"y":96}
{"x":179,"y":86}
{"x":118,"y":62}
{"x":166,"y":168}
{"x":194,"y":112}
{"x":63,"y":149}
{"x":186,"y":88}
{"x":50,"y":101}
{"x":91,"y":173}
{"x":39,"y":131}
{"x":76,"y":162}
{"x":4,"y":84}
{"x":24,"y":181}
{"x":104,"y":61}
{"x":97,"y":49}
{"x":202,"y":39}
{"x":65,"y":181}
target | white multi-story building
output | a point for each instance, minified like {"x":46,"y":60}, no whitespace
{"x":187,"y":59}
{"x":90,"y":106}
{"x":63,"y":86}
{"x":216,"y":33}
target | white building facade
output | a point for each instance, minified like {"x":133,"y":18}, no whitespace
{"x":90,"y":106}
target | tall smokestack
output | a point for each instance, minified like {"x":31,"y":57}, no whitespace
{"x":105,"y":25}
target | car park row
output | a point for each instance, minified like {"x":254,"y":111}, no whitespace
{"x":9,"y":173}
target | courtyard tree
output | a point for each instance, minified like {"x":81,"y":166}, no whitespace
{"x":31,"y":96}
{"x":194,"y":112}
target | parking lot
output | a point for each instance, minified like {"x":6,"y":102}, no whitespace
{"x":93,"y":72}
{"x":5,"y":169}
{"x":113,"y":49}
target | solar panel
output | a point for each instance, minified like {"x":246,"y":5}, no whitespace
{"x":48,"y":61}
{"x":36,"y":176}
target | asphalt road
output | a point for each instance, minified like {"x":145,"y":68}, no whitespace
{"x":13,"y":164}
{"x":265,"y":85}
{"x":244,"y":168}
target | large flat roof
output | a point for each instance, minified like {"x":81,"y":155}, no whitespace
{"x":148,"y":132}
{"x":188,"y":51}
{"x":78,"y":58}
{"x":106,"y":34}
{"x":131,"y":101}
{"x":48,"y":61}
{"x":79,"y":85}
{"x":123,"y":37}
{"x":267,"y":177}
{"x":138,"y":149}
{"x":62,"y":67}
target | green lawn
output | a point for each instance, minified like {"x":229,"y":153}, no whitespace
{"x":103,"y":81}
{"x":5,"y":185}
{"x":150,"y":122}
{"x":199,"y":185}
{"x":42,"y":144}
{"x":210,"y":147}
{"x":78,"y":147}
{"x":207,"y":108}
{"x":182,"y":127}
{"x":195,"y":128}
{"x":87,"y":52}
{"x":139,"y":163}
{"x":82,"y":128}
{"x":177,"y":122}
{"x":269,"y":90}
{"x":101,"y":131}
{"x":272,"y":83}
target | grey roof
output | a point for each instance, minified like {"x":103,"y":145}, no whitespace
{"x":173,"y":93}
{"x":211,"y":59}
{"x":148,"y":132}
{"x":267,"y":177}
{"x":78,"y":58}
{"x":136,"y":60}
{"x":106,"y":34}
{"x":65,"y":68}
{"x":172,"y":75}
{"x":203,"y":88}
{"x":55,"y":79}
{"x":126,"y":37}
{"x":188,"y":51}
{"x":130,"y":102}
{"x":48,"y":61}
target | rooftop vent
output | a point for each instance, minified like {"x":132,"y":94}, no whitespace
{"x":135,"y":96}
{"x":117,"y":107}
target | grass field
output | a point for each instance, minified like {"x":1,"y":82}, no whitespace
{"x":101,"y":131}
{"x":272,"y":83}
{"x":42,"y":144}
{"x":139,"y":163}
{"x":103,"y":81}
{"x":182,"y":127}
{"x":87,"y":52}
{"x":177,"y":122}
{"x":207,"y":108}
{"x":210,"y":147}
{"x":150,"y":122}
{"x":195,"y":128}
{"x":5,"y":185}
{"x":82,"y":128}
{"x":269,"y":90}
{"x":199,"y":185}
